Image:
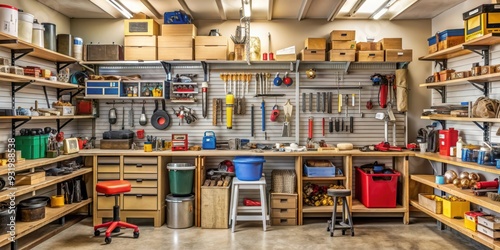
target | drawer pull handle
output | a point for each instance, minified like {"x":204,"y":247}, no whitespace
{"x":342,"y":53}
{"x":138,"y":166}
{"x":138,"y":195}
{"x":283,"y":200}
{"x":371,"y":55}
{"x":283,"y":210}
{"x":139,"y":180}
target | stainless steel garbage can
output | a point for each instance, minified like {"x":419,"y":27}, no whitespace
{"x":180,"y":211}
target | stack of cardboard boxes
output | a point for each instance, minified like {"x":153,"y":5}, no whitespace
{"x":315,"y":49}
{"x":343,"y":46}
{"x":176,"y":42}
{"x":393,"y":49}
{"x":210,"y":48}
{"x":140,"y":39}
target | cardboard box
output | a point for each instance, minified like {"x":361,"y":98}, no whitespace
{"x":140,"y":53}
{"x":486,"y":231}
{"x":175,"y":54}
{"x":30,"y":178}
{"x":391,"y":43}
{"x":430,"y":202}
{"x":286,"y":57}
{"x":175,"y":42}
{"x":398,"y":55}
{"x":140,"y":27}
{"x":343,"y":45}
{"x":367,"y":46}
{"x":65,"y":110}
{"x":489,"y":221}
{"x":210,"y":52}
{"x":315,"y":44}
{"x":470,"y":220}
{"x":370,"y":56}
{"x":342,"y":55}
{"x":445,"y":75}
{"x":342,"y":35}
{"x":313,"y":55}
{"x":481,"y":20}
{"x":179,"y":30}
{"x":210,"y":41}
{"x":140,"y":41}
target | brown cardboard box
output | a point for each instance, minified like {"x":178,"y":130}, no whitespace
{"x":315,"y":43}
{"x":344,"y":45}
{"x":365,"y":46}
{"x":140,"y":53}
{"x":450,"y":41}
{"x":144,"y":41}
{"x":342,"y":55}
{"x":342,"y":35}
{"x":175,"y":53}
{"x":175,"y":42}
{"x":313,"y":55}
{"x":391,"y":43}
{"x":140,"y":27}
{"x":398,"y":55}
{"x":178,"y":30}
{"x":210,"y":41}
{"x":287,"y":57}
{"x":370,"y":56}
{"x":30,"y":178}
{"x":210,"y":52}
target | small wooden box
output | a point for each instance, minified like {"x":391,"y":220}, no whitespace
{"x":210,"y":41}
{"x":140,"y":27}
{"x":283,"y":222}
{"x":215,"y":207}
{"x":450,"y":42}
{"x":315,"y":44}
{"x":313,"y":55}
{"x":489,"y":232}
{"x":487,"y":70}
{"x":370,"y":56}
{"x":398,"y":55}
{"x":489,"y":221}
{"x":140,"y":53}
{"x":175,"y":42}
{"x":115,"y":143}
{"x":431,"y":203}
{"x":342,"y":55}
{"x":30,"y":178}
{"x":287,"y":57}
{"x":140,"y":41}
{"x":461,"y":74}
{"x":445,"y":75}
{"x":343,"y":45}
{"x":175,"y":53}
{"x":391,"y":43}
{"x":210,"y":52}
{"x":178,"y":30}
{"x":342,"y":35}
{"x":367,"y":46}
{"x":470,"y":220}
{"x":279,"y":200}
{"x":283,"y":213}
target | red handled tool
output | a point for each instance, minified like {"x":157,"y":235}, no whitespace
{"x":323,"y":124}
{"x":382,"y":95}
{"x":310,"y":129}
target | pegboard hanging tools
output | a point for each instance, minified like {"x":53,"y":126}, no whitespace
{"x":310,"y":128}
{"x":224,"y":77}
{"x":229,"y":110}
{"x":204,"y":101}
{"x":263,"y":109}
{"x":287,"y":109}
{"x":217,"y":111}
{"x":275,"y":113}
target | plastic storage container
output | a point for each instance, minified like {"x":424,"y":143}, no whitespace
{"x":9,"y":17}
{"x":248,"y":168}
{"x":25,"y":30}
{"x":180,"y":211}
{"x":323,"y":171}
{"x":37,"y":37}
{"x":377,"y":190}
{"x":447,"y":138}
{"x":181,"y":177}
{"x":32,"y":146}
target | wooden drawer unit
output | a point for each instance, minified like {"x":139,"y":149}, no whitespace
{"x":370,"y":56}
{"x":106,"y":202}
{"x":133,"y":160}
{"x":144,"y":190}
{"x":283,"y":201}
{"x":283,"y":222}
{"x":142,"y":183}
{"x":108,"y":176}
{"x":114,"y":160}
{"x":134,"y":176}
{"x":101,"y":168}
{"x":140,"y":202}
{"x":283,"y":213}
{"x":140,"y":169}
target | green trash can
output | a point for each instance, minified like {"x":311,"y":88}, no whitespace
{"x":181,"y":178}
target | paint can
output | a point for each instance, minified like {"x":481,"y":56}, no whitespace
{"x":78,"y":48}
{"x":8,"y":19}
{"x":49,"y":36}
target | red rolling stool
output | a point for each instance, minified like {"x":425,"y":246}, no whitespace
{"x":114,"y":188}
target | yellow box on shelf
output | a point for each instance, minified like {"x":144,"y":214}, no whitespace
{"x":470,"y":220}
{"x":454,"y":208}
{"x":481,"y":20}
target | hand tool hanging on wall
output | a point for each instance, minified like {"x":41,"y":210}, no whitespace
{"x":288,"y":81}
{"x":382,"y":93}
{"x":310,"y":128}
{"x":337,"y":127}
{"x":131,"y":114}
{"x":143,"y":120}
{"x":223,"y":76}
{"x":342,"y":127}
{"x":204,"y":100}
{"x":330,"y":125}
{"x":123,"y":118}
{"x":217,"y":111}
{"x":351,"y":124}
{"x":310,"y":102}
{"x":318,"y":100}
{"x":329,"y":103}
{"x":287,"y":109}
{"x":277,"y":80}
{"x":236,"y":78}
{"x":251,"y":120}
{"x":275,"y":113}
{"x":263,"y":109}
{"x":112,"y":115}
{"x":324,"y":102}
{"x":229,"y":110}
{"x":268,"y":84}
{"x":233,"y":81}
{"x":249,"y":79}
{"x":303,"y":102}
{"x":160,"y":118}
{"x":323,"y":126}
{"x":257,"y":82}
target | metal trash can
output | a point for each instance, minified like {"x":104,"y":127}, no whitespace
{"x":181,"y":178}
{"x":180,"y":211}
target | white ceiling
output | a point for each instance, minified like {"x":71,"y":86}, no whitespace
{"x":261,"y":9}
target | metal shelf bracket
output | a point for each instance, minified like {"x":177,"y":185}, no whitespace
{"x":482,"y":50}
{"x":22,"y":53}
{"x":443,"y":64}
{"x":442,"y":91}
{"x":168,"y":69}
{"x":486,"y":130}
{"x":206,"y":75}
{"x":483,"y":87}
{"x":59,"y":126}
{"x":61,"y":66}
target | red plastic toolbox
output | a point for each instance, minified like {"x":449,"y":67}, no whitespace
{"x":377,"y":190}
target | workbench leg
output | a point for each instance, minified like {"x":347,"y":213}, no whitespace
{"x":406,"y":190}
{"x":298,"y":173}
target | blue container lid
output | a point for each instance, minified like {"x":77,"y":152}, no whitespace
{"x":431,"y":40}
{"x":454,"y":32}
{"x":249,"y":159}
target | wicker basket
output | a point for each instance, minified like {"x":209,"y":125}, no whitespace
{"x":284,"y":181}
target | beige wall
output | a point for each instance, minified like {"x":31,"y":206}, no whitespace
{"x":43,"y":13}
{"x":104,"y":31}
{"x":452,"y":18}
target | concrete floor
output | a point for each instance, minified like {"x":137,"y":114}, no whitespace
{"x":380,"y":233}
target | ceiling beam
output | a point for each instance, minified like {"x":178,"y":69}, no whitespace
{"x":356,"y":7}
{"x":151,"y":8}
{"x":270,"y":6}
{"x":106,"y":7}
{"x":222,"y":13}
{"x":335,"y":10}
{"x":185,"y":8}
{"x":304,"y":8}
{"x":403,"y":9}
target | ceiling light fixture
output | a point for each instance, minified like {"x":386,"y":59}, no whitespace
{"x":380,"y":13}
{"x":118,"y":6}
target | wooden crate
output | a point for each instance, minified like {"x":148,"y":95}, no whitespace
{"x":287,"y":57}
{"x":283,"y":222}
{"x":140,"y":53}
{"x":343,"y":45}
{"x":140,"y":41}
{"x":315,"y":43}
{"x":175,"y":53}
{"x":215,"y":206}
{"x":428,"y":201}
{"x":175,"y":42}
{"x":342,"y":55}
{"x":398,"y":55}
{"x":342,"y":35}
{"x":30,"y":178}
{"x":391,"y":43}
{"x":367,"y":46}
{"x":313,"y":55}
{"x":140,"y":27}
{"x":370,"y":56}
{"x":279,"y":200}
{"x":210,"y":52}
{"x":210,"y":41}
{"x":450,"y":42}
{"x":115,"y":143}
{"x":178,"y":30}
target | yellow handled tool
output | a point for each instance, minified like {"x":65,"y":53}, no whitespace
{"x":229,"y":110}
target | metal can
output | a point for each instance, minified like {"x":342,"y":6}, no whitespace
{"x":465,"y":154}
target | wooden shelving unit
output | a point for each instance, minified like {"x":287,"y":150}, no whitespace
{"x":459,"y":50}
{"x":339,"y":178}
{"x":358,"y":207}
{"x":38,"y":81}
{"x":459,"y":119}
{"x":458,"y":224}
{"x":457,"y":162}
{"x":52,"y":117}
{"x":37,"y":163}
{"x":482,"y":78}
{"x":466,"y":194}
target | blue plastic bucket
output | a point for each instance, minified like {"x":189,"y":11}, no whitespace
{"x":248,"y":168}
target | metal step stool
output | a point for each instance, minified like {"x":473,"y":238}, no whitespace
{"x":344,"y":223}
{"x":262,"y":209}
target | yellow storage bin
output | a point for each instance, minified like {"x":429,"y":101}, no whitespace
{"x":470,"y":220}
{"x":454,"y":207}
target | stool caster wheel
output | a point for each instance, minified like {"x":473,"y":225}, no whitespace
{"x":136,"y":235}
{"x":97,"y":233}
{"x":329,"y":222}
{"x":343,"y":232}
{"x":331,"y":234}
{"x":107,"y":240}
{"x":352,"y":233}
